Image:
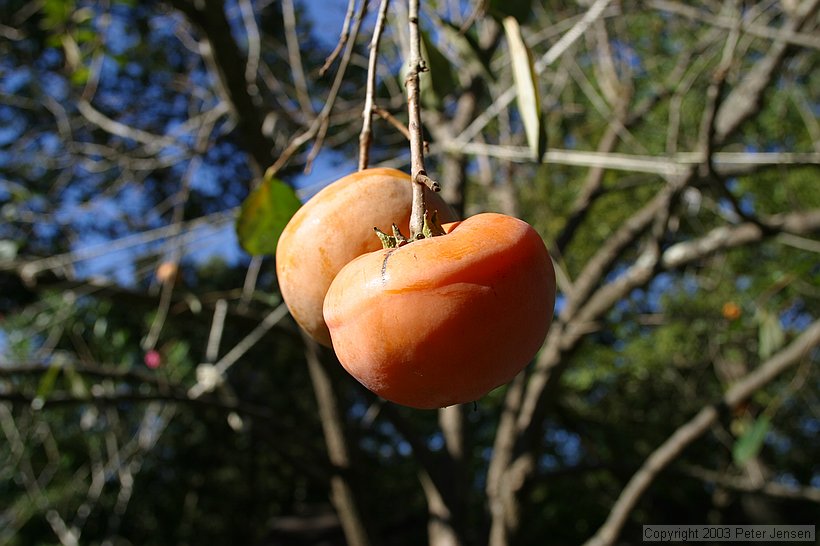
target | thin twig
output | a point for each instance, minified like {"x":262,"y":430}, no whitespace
{"x":477,"y":13}
{"x":416,"y":66}
{"x":28,"y":271}
{"x":392,"y":120}
{"x":254,"y":46}
{"x":217,"y":327}
{"x":342,"y":495}
{"x":249,"y":285}
{"x":212,"y":375}
{"x":295,"y":59}
{"x":366,"y":136}
{"x":738,"y":483}
{"x":319,"y":126}
{"x":325,"y":121}
{"x":342,"y":38}
{"x":665,"y":165}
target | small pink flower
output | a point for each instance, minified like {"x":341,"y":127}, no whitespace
{"x":153,"y":359}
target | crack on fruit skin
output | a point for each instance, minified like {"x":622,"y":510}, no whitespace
{"x":384,"y":265}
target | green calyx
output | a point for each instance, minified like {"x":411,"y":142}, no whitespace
{"x":432,"y":228}
{"x":391,"y":241}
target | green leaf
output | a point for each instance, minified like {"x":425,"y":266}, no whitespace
{"x":526,"y":86}
{"x":750,"y":442}
{"x":770,"y":334}
{"x":46,"y":385}
{"x":264,"y":214}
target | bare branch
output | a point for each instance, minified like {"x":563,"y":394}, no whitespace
{"x":295,"y":59}
{"x":342,"y":38}
{"x":254,"y":46}
{"x":120,"y":129}
{"x":666,"y":166}
{"x":416,"y":66}
{"x":724,"y":237}
{"x":342,"y":493}
{"x":366,"y":136}
{"x":210,"y":376}
{"x":391,"y":119}
{"x":738,"y":483}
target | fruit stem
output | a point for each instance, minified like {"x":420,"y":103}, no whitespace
{"x":417,"y":172}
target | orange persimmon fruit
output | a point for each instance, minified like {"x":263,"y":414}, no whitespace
{"x":336,"y":226}
{"x":444,"y":320}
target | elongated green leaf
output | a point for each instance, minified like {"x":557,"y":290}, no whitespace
{"x":263,"y":216}
{"x":526,"y":87}
{"x":46,"y":385}
{"x":750,"y":442}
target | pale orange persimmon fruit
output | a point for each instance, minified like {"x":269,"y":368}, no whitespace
{"x":447,"y":319}
{"x":334,"y":227}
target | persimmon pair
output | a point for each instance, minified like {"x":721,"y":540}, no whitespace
{"x":429,"y":324}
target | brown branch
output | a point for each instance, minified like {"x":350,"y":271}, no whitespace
{"x":706,"y":139}
{"x":342,"y":38}
{"x":294,"y":58}
{"x":595,"y":306}
{"x":342,"y":491}
{"x":724,"y":238}
{"x":416,"y":66}
{"x":501,"y":504}
{"x":738,"y":483}
{"x":392,"y":120}
{"x":696,"y":427}
{"x":447,"y":522}
{"x":610,"y":251}
{"x":679,"y":164}
{"x":366,"y":136}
